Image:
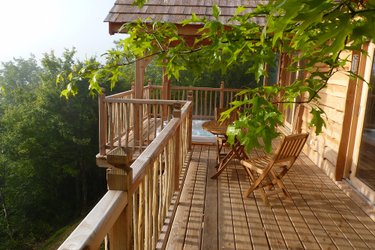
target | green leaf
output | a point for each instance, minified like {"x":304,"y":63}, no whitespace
{"x":239,"y":10}
{"x":317,"y":120}
{"x":232,"y":132}
{"x":216,"y":11}
{"x":2,"y":90}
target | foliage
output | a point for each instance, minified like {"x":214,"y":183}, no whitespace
{"x":48,"y":174}
{"x":313,"y":32}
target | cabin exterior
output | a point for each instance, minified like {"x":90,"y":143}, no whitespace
{"x":337,"y":150}
{"x":154,"y":170}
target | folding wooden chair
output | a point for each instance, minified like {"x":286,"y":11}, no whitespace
{"x":268,"y":171}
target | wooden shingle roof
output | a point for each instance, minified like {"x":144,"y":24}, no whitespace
{"x":174,"y":11}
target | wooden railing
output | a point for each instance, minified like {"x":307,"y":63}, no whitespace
{"x":130,"y":123}
{"x":132,"y":213}
{"x":205,"y":99}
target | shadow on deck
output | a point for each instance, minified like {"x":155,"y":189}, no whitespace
{"x":213,"y":215}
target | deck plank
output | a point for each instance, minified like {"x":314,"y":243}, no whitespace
{"x":255,"y":224}
{"x":194,"y":229}
{"x":212,"y":214}
{"x":179,"y":227}
{"x":226,"y":234}
{"x":210,"y":225}
{"x":348,"y":216}
{"x":241,"y":229}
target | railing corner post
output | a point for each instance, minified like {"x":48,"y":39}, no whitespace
{"x":120,"y":235}
{"x":190,"y":119}
{"x":132,"y":89}
{"x":177,"y":146}
{"x":102,"y":123}
{"x":190,"y":95}
{"x":222,"y":94}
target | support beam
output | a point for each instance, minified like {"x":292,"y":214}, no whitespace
{"x":350,"y":121}
{"x":166,"y":88}
{"x":140,"y":68}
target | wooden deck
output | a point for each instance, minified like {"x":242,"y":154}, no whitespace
{"x":321,"y":215}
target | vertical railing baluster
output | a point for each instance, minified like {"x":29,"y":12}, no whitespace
{"x":155,"y":217}
{"x":176,"y":153}
{"x":127,"y":124}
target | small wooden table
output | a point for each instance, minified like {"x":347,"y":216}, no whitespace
{"x":237,"y":150}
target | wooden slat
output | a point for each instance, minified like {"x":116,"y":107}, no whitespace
{"x":241,"y":226}
{"x":193,"y":233}
{"x":225,"y":227}
{"x":180,"y":222}
{"x":318,"y":216}
{"x":210,"y":237}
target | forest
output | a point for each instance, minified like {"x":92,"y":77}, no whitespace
{"x":48,"y":175}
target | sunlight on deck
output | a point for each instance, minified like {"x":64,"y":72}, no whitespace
{"x":213,"y":215}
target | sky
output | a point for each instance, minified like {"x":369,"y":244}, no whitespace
{"x":39,"y":26}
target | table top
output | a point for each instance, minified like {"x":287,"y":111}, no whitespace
{"x":215,"y":127}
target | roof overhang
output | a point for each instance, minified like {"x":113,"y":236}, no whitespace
{"x":175,"y":11}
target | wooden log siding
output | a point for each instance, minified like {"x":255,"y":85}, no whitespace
{"x":205,"y":99}
{"x":155,"y":175}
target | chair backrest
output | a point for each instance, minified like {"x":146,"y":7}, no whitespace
{"x":290,"y":148}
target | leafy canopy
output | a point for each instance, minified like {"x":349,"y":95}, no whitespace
{"x":312,"y":32}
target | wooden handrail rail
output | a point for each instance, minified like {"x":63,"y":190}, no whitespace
{"x":121,"y":94}
{"x":91,"y":231}
{"x":143,"y":101}
{"x":197,"y":88}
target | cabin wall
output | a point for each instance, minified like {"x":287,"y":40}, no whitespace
{"x":323,"y":149}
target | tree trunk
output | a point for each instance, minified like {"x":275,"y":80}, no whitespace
{"x":9,"y":231}
{"x":84,"y":189}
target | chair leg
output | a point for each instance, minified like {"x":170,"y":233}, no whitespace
{"x":264,"y":197}
{"x":218,"y":149}
{"x":223,"y":164}
{"x":250,"y":174}
{"x":281,"y":185}
{"x":249,"y":191}
{"x":277,"y":180}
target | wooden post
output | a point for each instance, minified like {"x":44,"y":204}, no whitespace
{"x":177,"y":138}
{"x":132,"y":89}
{"x":120,"y":235}
{"x":148,"y":96}
{"x":190,"y":121}
{"x":165,"y":93}
{"x":166,"y":88}
{"x":350,"y":120}
{"x":221,"y":103}
{"x":102,"y":123}
{"x":138,"y":94}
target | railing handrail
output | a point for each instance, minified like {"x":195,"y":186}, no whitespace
{"x":89,"y":234}
{"x":121,"y":94}
{"x":143,"y":101}
{"x":155,"y":147}
{"x":197,"y":88}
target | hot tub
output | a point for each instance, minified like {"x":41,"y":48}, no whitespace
{"x":200,"y":135}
